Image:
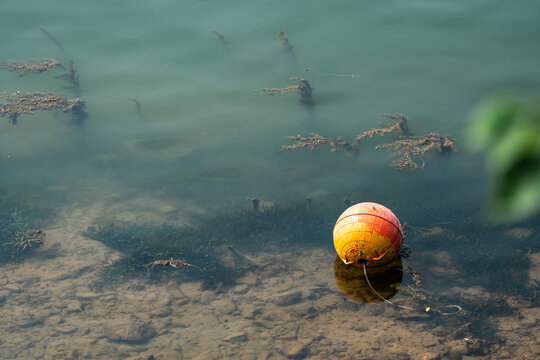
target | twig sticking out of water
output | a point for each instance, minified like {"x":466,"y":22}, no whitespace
{"x":72,"y":77}
{"x":407,"y":150}
{"x":220,"y":37}
{"x":303,"y":88}
{"x":31,"y":66}
{"x":54,"y":40}
{"x":285,"y":46}
{"x":28,"y":103}
{"x":410,"y":151}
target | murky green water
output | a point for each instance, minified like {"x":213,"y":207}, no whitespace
{"x":204,"y":141}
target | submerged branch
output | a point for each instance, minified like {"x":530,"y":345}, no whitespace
{"x":285,"y":46}
{"x":28,"y":103}
{"x":398,"y":126}
{"x":408,"y":150}
{"x":72,"y":77}
{"x":31,"y":66}
{"x":303,"y":88}
{"x":315,"y":140}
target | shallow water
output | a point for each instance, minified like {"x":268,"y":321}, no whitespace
{"x":205,"y":141}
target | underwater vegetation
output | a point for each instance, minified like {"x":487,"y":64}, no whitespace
{"x":408,"y":150}
{"x":210,"y":238}
{"x":20,"y":223}
{"x":27,"y":103}
{"x":507,"y":129}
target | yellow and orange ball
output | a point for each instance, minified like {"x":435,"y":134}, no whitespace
{"x":368,"y":233}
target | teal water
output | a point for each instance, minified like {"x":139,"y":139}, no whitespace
{"x":205,"y":140}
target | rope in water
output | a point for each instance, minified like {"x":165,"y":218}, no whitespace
{"x":405,"y":307}
{"x":332,"y":75}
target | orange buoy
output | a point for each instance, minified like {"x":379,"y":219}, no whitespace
{"x":368,"y":234}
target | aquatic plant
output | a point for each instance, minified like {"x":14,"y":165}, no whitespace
{"x":27,"y":103}
{"x":31,"y":66}
{"x":20,"y":221}
{"x":26,"y":240}
{"x":303,"y":87}
{"x":409,"y":150}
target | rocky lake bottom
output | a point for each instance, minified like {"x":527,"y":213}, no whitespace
{"x":287,"y":307}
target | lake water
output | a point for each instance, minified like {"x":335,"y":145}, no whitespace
{"x":205,"y":140}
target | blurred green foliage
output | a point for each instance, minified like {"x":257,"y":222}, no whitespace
{"x":507,"y":128}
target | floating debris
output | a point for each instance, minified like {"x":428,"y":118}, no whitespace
{"x":220,"y":37}
{"x":285,"y":46}
{"x":21,"y":103}
{"x":31,"y":66}
{"x":23,"y":240}
{"x":303,"y":88}
{"x":408,"y":149}
{"x":177,"y":264}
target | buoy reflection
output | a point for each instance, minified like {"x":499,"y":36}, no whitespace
{"x":352,"y":283}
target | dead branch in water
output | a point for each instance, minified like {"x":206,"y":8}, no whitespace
{"x":220,"y":37}
{"x":31,"y":66}
{"x":303,"y":88}
{"x":398,"y":126}
{"x":72,"y":77}
{"x":315,"y":140}
{"x":408,"y":150}
{"x":54,"y":40}
{"x":286,"y":48}
{"x":27,"y":103}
